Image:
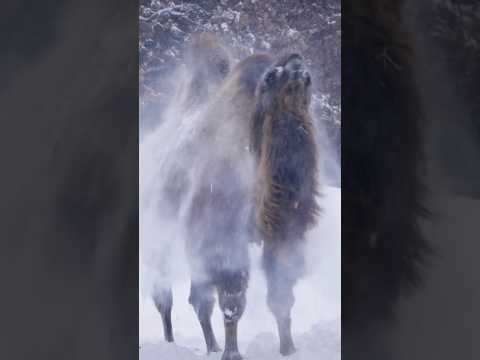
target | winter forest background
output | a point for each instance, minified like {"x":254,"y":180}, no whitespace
{"x":311,"y":28}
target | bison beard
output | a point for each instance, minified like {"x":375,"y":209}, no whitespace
{"x":252,"y":178}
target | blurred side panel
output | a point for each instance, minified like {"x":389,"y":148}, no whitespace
{"x":69,"y":183}
{"x":410,"y":177}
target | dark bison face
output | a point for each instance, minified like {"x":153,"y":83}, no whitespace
{"x":288,"y":83}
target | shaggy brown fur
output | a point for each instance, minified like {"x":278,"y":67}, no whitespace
{"x":253,"y":153}
{"x":284,"y":142}
{"x":209,"y":64}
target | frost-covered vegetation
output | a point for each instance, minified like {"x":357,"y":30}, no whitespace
{"x":248,"y":26}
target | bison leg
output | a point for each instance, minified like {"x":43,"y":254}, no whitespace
{"x":282,"y":269}
{"x":163,"y":300}
{"x":232,"y":286}
{"x":202,"y":300}
{"x":280,"y":301}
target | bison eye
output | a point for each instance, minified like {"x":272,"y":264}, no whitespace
{"x":270,"y":77}
{"x":273,"y":75}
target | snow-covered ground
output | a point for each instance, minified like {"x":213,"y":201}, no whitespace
{"x":316,"y":314}
{"x":321,"y":342}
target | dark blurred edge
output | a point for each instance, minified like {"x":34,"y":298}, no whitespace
{"x":69,"y":183}
{"x":410,"y":179}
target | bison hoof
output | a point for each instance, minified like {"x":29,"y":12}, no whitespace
{"x":169,"y":339}
{"x":287,"y":350}
{"x":231,"y":355}
{"x":215,"y":348}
